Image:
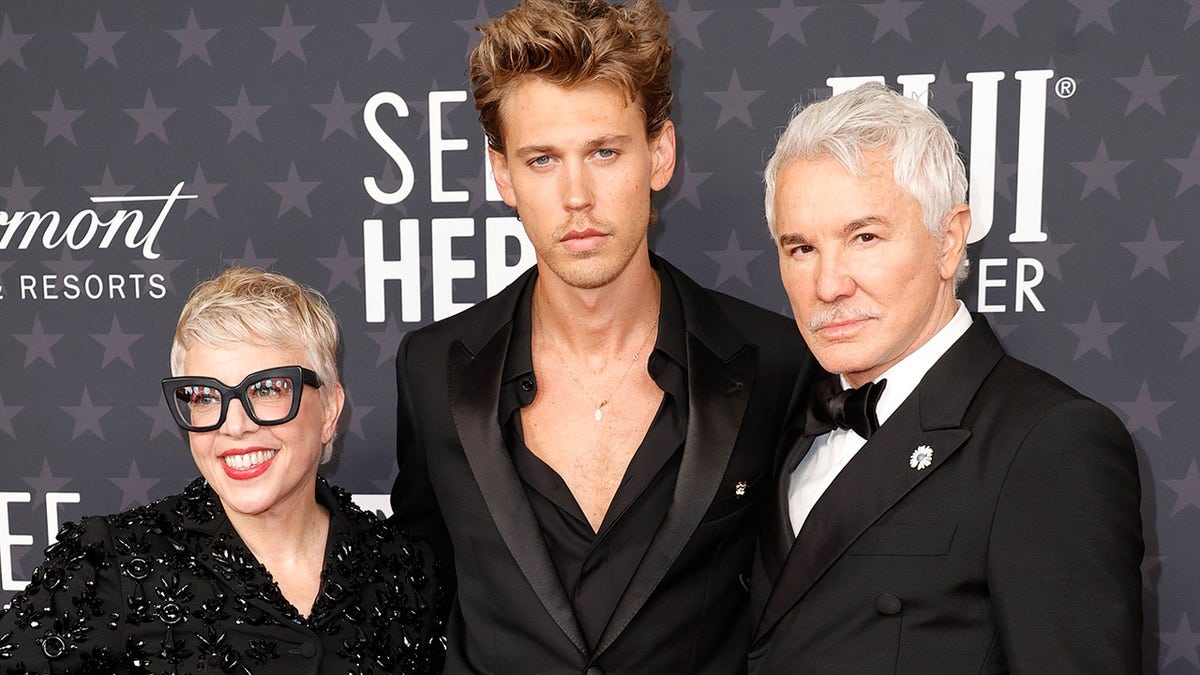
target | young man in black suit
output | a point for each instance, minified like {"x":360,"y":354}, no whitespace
{"x":960,"y":511}
{"x":596,"y":439}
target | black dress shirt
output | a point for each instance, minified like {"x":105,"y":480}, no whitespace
{"x":595,"y":566}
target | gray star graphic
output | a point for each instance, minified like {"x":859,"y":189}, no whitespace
{"x":87,"y":416}
{"x":685,"y":22}
{"x":67,"y":264}
{"x":1181,"y":644}
{"x":44,"y":482}
{"x":11,"y":44}
{"x":100,"y":43}
{"x":1190,"y":329}
{"x":205,"y":193}
{"x":161,"y":416}
{"x":388,"y":182}
{"x":1101,"y":172}
{"x":343,"y":268}
{"x":193,"y":40}
{"x":1143,"y":412}
{"x":287,"y":36}
{"x":150,"y":119}
{"x":469,"y":26}
{"x":787,"y":20}
{"x":107,"y":188}
{"x":384,"y":33}
{"x":999,"y":14}
{"x":134,"y":487}
{"x":1094,"y":11}
{"x":357,"y":413}
{"x":733,"y":261}
{"x":7,"y":413}
{"x":1057,"y":103}
{"x":892,"y":17}
{"x":1151,"y":571}
{"x":1151,"y":252}
{"x":339,"y":115}
{"x":388,"y":340}
{"x":944,"y":94}
{"x":38,"y":343}
{"x":1093,"y":334}
{"x":687,"y":185}
{"x":1047,"y":252}
{"x":18,"y":196}
{"x":293,"y":192}
{"x":160,"y":266}
{"x":243,"y":116}
{"x":1187,"y":489}
{"x":1145,"y":88}
{"x":250,"y":259}
{"x":734,"y":102}
{"x":116,"y":343}
{"x":1188,"y":168}
{"x":58,"y":121}
{"x":1193,"y":14}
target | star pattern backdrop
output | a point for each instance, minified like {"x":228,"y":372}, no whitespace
{"x":146,"y":145}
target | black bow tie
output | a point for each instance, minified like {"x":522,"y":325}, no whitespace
{"x":833,"y":407}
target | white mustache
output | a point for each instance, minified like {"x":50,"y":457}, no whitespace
{"x":839,"y":313}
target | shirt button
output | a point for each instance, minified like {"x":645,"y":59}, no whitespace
{"x":308,"y":650}
{"x":888,"y":604}
{"x":527,"y":384}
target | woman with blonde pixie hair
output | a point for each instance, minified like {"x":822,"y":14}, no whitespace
{"x":259,"y":566}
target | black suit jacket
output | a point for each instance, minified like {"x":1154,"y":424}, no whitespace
{"x":1018,"y":549}
{"x":686,"y":609}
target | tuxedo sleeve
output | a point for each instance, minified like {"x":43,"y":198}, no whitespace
{"x":1065,"y":551}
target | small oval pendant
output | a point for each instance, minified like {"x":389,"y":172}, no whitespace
{"x":598,"y":415}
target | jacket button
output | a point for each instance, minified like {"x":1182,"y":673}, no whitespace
{"x":308,"y":650}
{"x":527,"y":384}
{"x":888,"y":604}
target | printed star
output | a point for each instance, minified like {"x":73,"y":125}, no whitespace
{"x":733,"y":261}
{"x":134,"y":487}
{"x":1187,"y":489}
{"x":1094,"y":11}
{"x":999,"y":14}
{"x":58,"y":121}
{"x":357,"y":413}
{"x":44,"y":482}
{"x":1093,"y":334}
{"x":287,"y":36}
{"x":892,"y":17}
{"x":944,"y":94}
{"x":1048,"y":252}
{"x":193,"y":40}
{"x":1191,"y":329}
{"x":384,"y":33}
{"x":11,"y":44}
{"x":343,"y":268}
{"x":470,"y":26}
{"x":205,"y":193}
{"x":243,"y":116}
{"x":7,"y":413}
{"x":338,"y":114}
{"x":117,"y":343}
{"x":100,"y":43}
{"x":1101,"y":172}
{"x":477,"y":189}
{"x":1181,"y":644}
{"x":250,"y":259}
{"x":688,"y":186}
{"x":1057,"y":103}
{"x":1151,"y":252}
{"x":787,"y":20}
{"x":18,"y":196}
{"x":294,"y":193}
{"x":1188,"y":168}
{"x":388,"y":340}
{"x":150,"y":119}
{"x":38,"y":343}
{"x":1151,"y":564}
{"x":734,"y":102}
{"x":107,"y":188}
{"x":1145,"y":88}
{"x":161,"y":416}
{"x":388,"y":182}
{"x":160,"y":266}
{"x":1193,"y":14}
{"x":1143,"y":413}
{"x":87,"y":416}
{"x":685,"y":22}
{"x":66,"y":264}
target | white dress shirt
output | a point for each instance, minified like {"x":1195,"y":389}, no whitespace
{"x":831,"y":452}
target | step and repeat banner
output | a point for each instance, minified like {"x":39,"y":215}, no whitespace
{"x":145,"y":146}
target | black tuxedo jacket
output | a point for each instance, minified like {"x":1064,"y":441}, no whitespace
{"x":1017,"y":549}
{"x":686,"y":609}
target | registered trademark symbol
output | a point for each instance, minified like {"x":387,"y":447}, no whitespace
{"x":1065,"y":87}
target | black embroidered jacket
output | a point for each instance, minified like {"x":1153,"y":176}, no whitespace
{"x":171,"y":588}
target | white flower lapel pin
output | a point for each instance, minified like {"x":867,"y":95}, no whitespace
{"x":921,"y":458}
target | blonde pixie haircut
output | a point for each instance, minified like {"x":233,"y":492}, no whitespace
{"x":248,"y":306}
